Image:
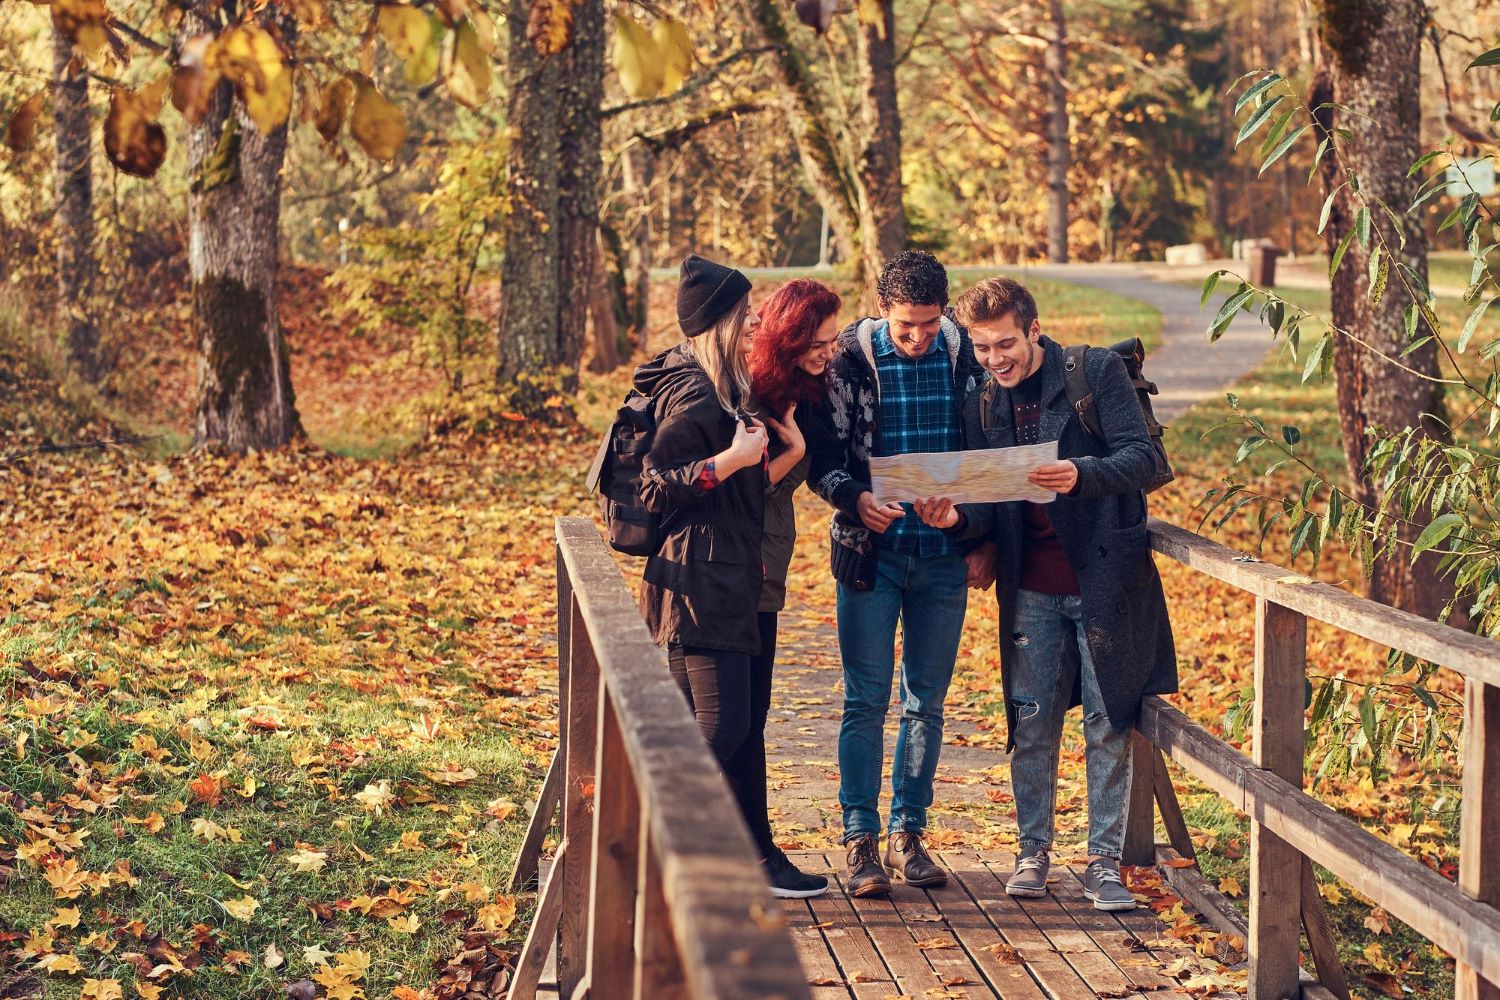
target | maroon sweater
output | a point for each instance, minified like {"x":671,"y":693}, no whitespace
{"x":1044,"y":564}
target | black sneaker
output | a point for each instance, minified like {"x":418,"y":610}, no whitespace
{"x":790,"y":882}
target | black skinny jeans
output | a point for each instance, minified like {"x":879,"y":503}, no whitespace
{"x":730,"y":694}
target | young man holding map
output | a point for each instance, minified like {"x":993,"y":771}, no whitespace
{"x":1082,"y":614}
{"x":897,"y":386}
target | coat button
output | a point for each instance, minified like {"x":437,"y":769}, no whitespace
{"x":1121,"y":607}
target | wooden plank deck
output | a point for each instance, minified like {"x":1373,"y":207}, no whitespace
{"x":970,"y":941}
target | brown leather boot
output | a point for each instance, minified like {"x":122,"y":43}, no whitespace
{"x":906,"y":856}
{"x":866,"y":875}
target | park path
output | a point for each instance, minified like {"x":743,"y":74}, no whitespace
{"x":972,"y":795}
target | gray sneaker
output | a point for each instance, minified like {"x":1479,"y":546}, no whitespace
{"x":1102,"y":884}
{"x":1030,"y":876}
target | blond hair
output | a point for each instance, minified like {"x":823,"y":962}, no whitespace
{"x":717,"y":351}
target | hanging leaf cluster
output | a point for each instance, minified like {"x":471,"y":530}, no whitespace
{"x":255,"y":60}
{"x":650,"y":63}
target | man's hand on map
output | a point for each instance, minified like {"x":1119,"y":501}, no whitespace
{"x":982,"y":563}
{"x":1059,"y":477}
{"x":878,"y":516}
{"x":938,"y":512}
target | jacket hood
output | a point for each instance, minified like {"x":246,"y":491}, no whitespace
{"x":859,"y":337}
{"x":667,"y":369}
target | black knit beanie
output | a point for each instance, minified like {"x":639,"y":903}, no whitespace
{"x":705,"y":292}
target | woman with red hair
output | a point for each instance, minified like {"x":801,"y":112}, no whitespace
{"x":788,"y":366}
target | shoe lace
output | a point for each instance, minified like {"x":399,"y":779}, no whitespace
{"x":1033,"y":862}
{"x":862,"y":852}
{"x":916,"y":850}
{"x":1104,"y":873}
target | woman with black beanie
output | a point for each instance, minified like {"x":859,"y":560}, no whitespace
{"x":706,"y":474}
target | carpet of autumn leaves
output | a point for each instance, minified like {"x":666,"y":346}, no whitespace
{"x":270,"y":724}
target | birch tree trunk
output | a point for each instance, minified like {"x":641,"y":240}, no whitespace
{"x":245,"y":398}
{"x":1373,"y":66}
{"x":77,"y":269}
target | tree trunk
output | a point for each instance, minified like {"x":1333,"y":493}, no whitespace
{"x":1375,"y":70}
{"x":1057,"y":138}
{"x":77,"y":270}
{"x":245,"y":399}
{"x":528,"y":320}
{"x":831,"y":180}
{"x":639,"y":179}
{"x":882,"y":216}
{"x":604,"y":316}
{"x":581,"y":94}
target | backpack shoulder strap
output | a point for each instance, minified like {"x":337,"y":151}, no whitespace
{"x":1080,"y":394}
{"x":987,"y":406}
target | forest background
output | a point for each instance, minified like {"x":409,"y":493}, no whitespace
{"x":309,"y":311}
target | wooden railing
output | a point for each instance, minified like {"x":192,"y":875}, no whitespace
{"x":655,"y":891}
{"x":1290,"y":830}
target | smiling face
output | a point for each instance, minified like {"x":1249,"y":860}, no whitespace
{"x":747,"y":329}
{"x":1007,"y":352}
{"x":913,"y":328}
{"x":815,"y":359}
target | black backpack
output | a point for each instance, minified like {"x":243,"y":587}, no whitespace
{"x":616,"y":476}
{"x":1081,"y":396}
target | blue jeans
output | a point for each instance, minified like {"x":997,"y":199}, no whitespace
{"x":928,"y":596}
{"x":1041,"y":683}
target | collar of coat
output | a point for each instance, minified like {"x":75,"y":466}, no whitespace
{"x":948,"y":333}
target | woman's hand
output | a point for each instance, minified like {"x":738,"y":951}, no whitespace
{"x":786,"y":428}
{"x":1059,"y":477}
{"x":747,"y":448}
{"x":937,"y":512}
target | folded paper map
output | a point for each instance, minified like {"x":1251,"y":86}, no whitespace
{"x":986,"y":476}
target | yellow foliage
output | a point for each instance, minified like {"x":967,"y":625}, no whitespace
{"x":469,"y":75}
{"x":675,"y":50}
{"x":20,"y":134}
{"x":249,"y":57}
{"x":549,"y":26}
{"x":637,"y":62}
{"x":377,"y":125}
{"x":406,"y":29}
{"x":333,"y":107}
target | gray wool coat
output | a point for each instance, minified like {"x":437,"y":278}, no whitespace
{"x":1101,"y":526}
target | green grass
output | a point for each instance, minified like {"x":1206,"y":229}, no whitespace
{"x":1453,"y":268}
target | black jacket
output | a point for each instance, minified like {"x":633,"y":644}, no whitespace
{"x":841,"y":438}
{"x":1101,"y":526}
{"x":701,"y":589}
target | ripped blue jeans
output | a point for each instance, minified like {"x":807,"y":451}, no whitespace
{"x":1041,"y":683}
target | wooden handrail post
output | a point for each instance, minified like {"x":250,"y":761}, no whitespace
{"x":658,"y":968}
{"x":582,"y":719}
{"x":617,"y":817}
{"x":1140,"y":812}
{"x":1479,"y":827}
{"x":1276,"y":866}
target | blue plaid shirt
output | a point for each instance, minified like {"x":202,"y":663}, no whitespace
{"x":918,"y":412}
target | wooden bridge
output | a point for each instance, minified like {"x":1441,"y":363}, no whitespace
{"x":638,"y":903}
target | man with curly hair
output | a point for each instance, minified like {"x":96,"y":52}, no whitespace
{"x":896,"y":386}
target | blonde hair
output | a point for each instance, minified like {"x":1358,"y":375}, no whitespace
{"x":718,"y":351}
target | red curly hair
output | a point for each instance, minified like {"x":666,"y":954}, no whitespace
{"x":789,"y":320}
